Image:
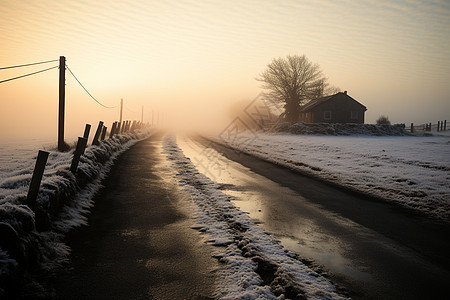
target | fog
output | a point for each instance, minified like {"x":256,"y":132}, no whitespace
{"x":190,"y":62}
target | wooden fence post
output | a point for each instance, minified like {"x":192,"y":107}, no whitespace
{"x":97,"y":133}
{"x":86,"y":131}
{"x":445,"y":125}
{"x":81,"y":145}
{"x":103,"y":133}
{"x":118,"y":128}
{"x":439,"y":124}
{"x":412,"y":128}
{"x":113,"y":128}
{"x":36,"y":179}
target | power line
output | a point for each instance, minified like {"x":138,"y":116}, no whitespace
{"x":88,"y":91}
{"x":26,"y":65}
{"x":28,"y":74}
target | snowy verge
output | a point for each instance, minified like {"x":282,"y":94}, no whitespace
{"x":31,"y":242}
{"x":411,"y":171}
{"x":253,"y":264}
{"x":342,"y":129}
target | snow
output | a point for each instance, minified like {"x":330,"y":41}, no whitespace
{"x":413,"y":171}
{"x":253,"y":264}
{"x":35,"y":238}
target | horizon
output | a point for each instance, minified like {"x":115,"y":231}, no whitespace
{"x":191,"y":61}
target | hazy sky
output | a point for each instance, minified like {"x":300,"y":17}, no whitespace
{"x":189,"y":59}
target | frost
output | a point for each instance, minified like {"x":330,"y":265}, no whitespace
{"x":32,"y":241}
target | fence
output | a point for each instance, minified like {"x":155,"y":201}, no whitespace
{"x":100,"y":135}
{"x":428,"y":127}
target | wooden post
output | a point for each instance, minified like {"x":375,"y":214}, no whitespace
{"x":445,"y":125}
{"x":81,"y":145}
{"x":103,"y":133}
{"x":439,"y":124}
{"x":62,"y":94}
{"x":118,"y":128}
{"x":412,"y":128}
{"x":36,"y":179}
{"x":86,"y":131}
{"x":97,"y":133}
{"x":122,"y":129}
{"x":113,"y":128}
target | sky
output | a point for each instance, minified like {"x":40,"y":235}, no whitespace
{"x":187,"y":61}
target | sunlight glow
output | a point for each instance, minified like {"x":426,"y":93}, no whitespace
{"x":190,"y":59}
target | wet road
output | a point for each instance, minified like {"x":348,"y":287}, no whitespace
{"x":139,"y":244}
{"x":372,"y":249}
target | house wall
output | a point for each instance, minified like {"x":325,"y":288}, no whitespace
{"x":307,"y":117}
{"x":341,"y":109}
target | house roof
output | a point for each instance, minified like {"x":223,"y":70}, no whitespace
{"x":316,"y":102}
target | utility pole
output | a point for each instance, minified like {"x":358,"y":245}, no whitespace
{"x":62,"y":96}
{"x":121,"y":108}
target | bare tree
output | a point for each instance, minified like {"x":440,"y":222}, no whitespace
{"x":293,"y":80}
{"x":383,"y":120}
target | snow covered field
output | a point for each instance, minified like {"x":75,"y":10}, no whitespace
{"x":413,"y":171}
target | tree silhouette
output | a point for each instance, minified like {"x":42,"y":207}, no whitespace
{"x":293,"y":80}
{"x":383,"y":120}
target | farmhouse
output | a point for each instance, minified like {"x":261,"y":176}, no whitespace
{"x":337,"y":108}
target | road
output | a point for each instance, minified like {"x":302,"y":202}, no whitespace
{"x":371,"y":249}
{"x":139,"y":244}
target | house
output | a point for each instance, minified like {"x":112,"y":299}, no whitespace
{"x":337,"y":108}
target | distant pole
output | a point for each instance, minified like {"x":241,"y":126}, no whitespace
{"x":62,"y":95}
{"x":121,"y":109}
